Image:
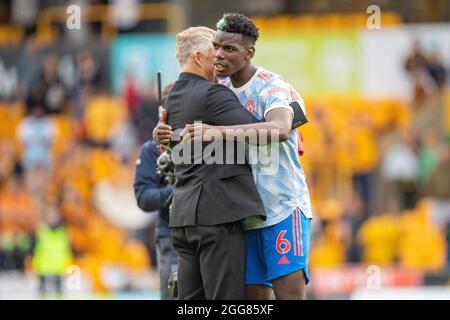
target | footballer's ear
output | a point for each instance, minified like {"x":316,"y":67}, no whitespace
{"x":250,"y":53}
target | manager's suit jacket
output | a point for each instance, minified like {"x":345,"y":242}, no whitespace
{"x":209,"y":194}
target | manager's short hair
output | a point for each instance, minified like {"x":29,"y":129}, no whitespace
{"x":193,"y":39}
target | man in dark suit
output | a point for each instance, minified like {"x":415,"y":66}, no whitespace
{"x":209,"y":200}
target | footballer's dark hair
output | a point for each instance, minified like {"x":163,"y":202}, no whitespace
{"x":238,"y":23}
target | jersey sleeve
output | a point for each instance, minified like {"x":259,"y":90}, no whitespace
{"x":276,"y":95}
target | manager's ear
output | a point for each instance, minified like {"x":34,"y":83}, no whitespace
{"x":197,"y":58}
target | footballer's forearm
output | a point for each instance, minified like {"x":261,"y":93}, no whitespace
{"x":275,"y":129}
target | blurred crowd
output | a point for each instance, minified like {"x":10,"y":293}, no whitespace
{"x":61,"y":134}
{"x":378,"y":170}
{"x":382,"y":194}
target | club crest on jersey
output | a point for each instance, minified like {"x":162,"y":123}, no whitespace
{"x":265,"y":76}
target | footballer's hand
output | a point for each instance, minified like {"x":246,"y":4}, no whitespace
{"x":162,"y":132}
{"x":201,"y":132}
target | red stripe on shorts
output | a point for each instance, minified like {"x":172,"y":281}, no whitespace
{"x":293,"y":233}
{"x":300,"y":249}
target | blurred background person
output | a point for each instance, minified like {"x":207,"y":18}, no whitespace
{"x":417,"y":66}
{"x":36,"y":132}
{"x":50,"y":89}
{"x":153,"y":193}
{"x":52,"y":253}
{"x":29,"y":65}
{"x":437,"y":69}
{"x":399,"y":169}
{"x":147,"y":113}
{"x":132,"y":97}
{"x":88,"y":78}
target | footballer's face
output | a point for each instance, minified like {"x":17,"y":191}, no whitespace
{"x":232,"y":52}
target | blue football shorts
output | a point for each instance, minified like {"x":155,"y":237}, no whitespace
{"x":278,"y":250}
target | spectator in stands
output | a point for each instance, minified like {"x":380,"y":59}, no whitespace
{"x":88,"y":76}
{"x":54,"y":93}
{"x":147,"y":114}
{"x":416,"y":61}
{"x":37,"y":181}
{"x":7,"y":250}
{"x":16,"y":212}
{"x":17,"y":220}
{"x":123,"y":140}
{"x":36,"y":132}
{"x":52,"y":252}
{"x":364,"y":158}
{"x":29,"y":66}
{"x":7,"y":158}
{"x":428,"y":156}
{"x":22,"y":246}
{"x":399,"y":167}
{"x":437,"y":70}
{"x":16,"y":206}
{"x":417,"y":66}
{"x":76,"y":212}
{"x":131,"y":96}
{"x":437,"y":187}
{"x":353,"y":217}
{"x":88,"y":69}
